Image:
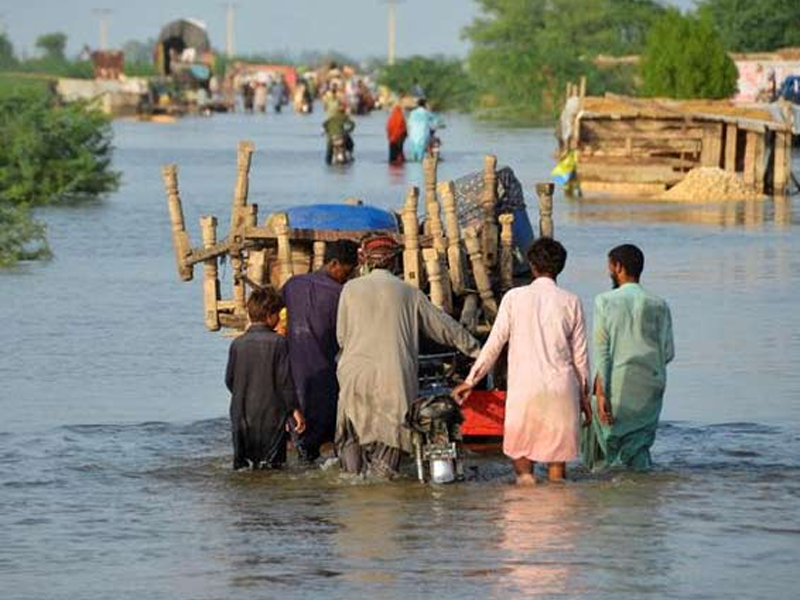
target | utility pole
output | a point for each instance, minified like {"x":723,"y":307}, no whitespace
{"x":102,"y":15}
{"x":230,"y":15}
{"x":392,"y":33}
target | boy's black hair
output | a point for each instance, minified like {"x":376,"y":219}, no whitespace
{"x":630,"y":257}
{"x":345,"y":252}
{"x":264,"y":303}
{"x":547,"y":256}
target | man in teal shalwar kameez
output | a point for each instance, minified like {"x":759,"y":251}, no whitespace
{"x":632,"y":346}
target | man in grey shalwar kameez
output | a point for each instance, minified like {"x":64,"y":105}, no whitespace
{"x":379,"y":322}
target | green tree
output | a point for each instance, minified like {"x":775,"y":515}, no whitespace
{"x":754,"y":26}
{"x":524,"y":51}
{"x":685,"y":58}
{"x":53,"y":45}
{"x":7,"y":58}
{"x":53,"y":153}
{"x":446,"y":83}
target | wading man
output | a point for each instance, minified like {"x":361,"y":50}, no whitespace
{"x":632,"y":346}
{"x":548,"y":367}
{"x":312,"y":301}
{"x":378,"y":328}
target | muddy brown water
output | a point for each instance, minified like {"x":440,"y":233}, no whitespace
{"x":114,"y":447}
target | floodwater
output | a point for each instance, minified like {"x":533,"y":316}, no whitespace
{"x":114,"y":446}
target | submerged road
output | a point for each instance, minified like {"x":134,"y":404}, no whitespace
{"x":114,"y":446}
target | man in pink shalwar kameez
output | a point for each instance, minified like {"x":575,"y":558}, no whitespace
{"x":548,"y":367}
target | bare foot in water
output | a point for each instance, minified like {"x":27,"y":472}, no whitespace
{"x":527,"y":479}
{"x":556,"y":472}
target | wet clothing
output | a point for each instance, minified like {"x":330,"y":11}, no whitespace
{"x":312,"y":301}
{"x":548,"y":370}
{"x":260,"y":98}
{"x":280,"y":95}
{"x":337,"y":124}
{"x":632,"y":345}
{"x":420,"y":123}
{"x":396,"y":134}
{"x":380,"y":319}
{"x":262,"y":397}
{"x":375,"y":459}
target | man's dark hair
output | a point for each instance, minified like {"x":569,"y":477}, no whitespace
{"x":630,"y":257}
{"x":547,"y":256}
{"x":345,"y":252}
{"x":422,"y":102}
{"x":264,"y":303}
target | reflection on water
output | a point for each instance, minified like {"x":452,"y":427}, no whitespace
{"x":114,"y":452}
{"x":539,"y":531}
{"x":751,"y":215}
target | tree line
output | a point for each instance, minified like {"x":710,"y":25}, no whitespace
{"x":523,"y":52}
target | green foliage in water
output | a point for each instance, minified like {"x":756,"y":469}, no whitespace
{"x":53,"y":153}
{"x":685,"y":58}
{"x":525,"y":51}
{"x":445,"y":82}
{"x":754,"y":25}
{"x":21,"y":237}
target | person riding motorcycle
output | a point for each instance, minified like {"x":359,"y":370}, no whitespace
{"x":338,"y":124}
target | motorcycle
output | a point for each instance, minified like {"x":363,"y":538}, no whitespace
{"x":435,"y":420}
{"x":340,"y":155}
{"x":434,"y":145}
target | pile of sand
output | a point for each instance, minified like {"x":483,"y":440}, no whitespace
{"x":710,"y":184}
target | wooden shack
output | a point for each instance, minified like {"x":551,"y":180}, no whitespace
{"x":643,"y":146}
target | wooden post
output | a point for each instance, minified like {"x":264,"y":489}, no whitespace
{"x":750,"y":159}
{"x":711,"y":149}
{"x":783,"y":163}
{"x":285,"y":259}
{"x":439,"y":290}
{"x":180,"y":239}
{"x":208,"y":228}
{"x":256,"y":259}
{"x":436,"y":229}
{"x":239,"y":217}
{"x":506,"y":251}
{"x":731,"y":135}
{"x":429,"y":167}
{"x":582,"y":87}
{"x":480,"y":272}
{"x":240,"y":191}
{"x":469,"y":313}
{"x":411,"y":256}
{"x":545,"y":193}
{"x":489,"y":231}
{"x":761,"y":161}
{"x":454,"y":257}
{"x":319,"y":255}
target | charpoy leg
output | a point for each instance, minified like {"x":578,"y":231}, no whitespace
{"x":523,"y":469}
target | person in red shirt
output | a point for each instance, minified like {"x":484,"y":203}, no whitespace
{"x":396,"y":134}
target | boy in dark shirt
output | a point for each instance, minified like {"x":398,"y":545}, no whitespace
{"x":263,"y":401}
